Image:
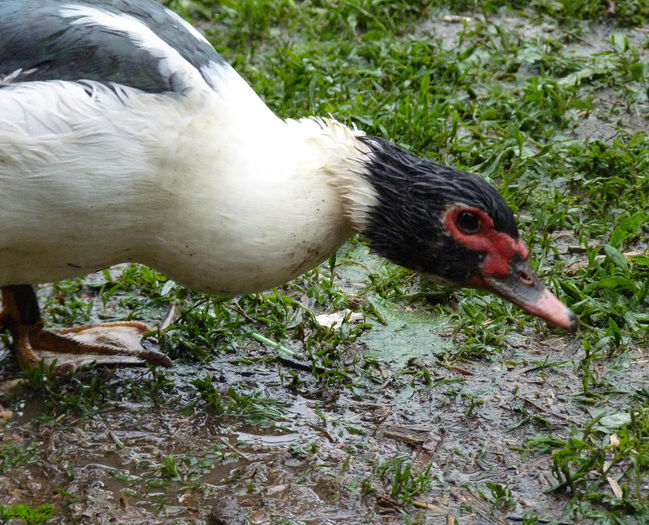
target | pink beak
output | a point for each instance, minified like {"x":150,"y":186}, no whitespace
{"x":523,"y":288}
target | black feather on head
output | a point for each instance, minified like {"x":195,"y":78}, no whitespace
{"x":414,"y":194}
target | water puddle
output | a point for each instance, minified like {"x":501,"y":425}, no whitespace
{"x":267,"y":440}
{"x":408,"y":335}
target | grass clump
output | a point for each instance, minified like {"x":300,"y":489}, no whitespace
{"x":13,"y":456}
{"x":26,"y":514}
{"x":603,"y":466}
{"x":403,"y":480}
{"x":252,"y":409}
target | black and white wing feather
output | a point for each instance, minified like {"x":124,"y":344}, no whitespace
{"x":139,"y":44}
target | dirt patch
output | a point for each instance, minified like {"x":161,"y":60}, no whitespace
{"x":318,"y":463}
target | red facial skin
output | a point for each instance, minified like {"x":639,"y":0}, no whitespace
{"x":499,"y":247}
{"x":505,"y":270}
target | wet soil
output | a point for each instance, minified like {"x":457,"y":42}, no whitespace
{"x":311,"y":466}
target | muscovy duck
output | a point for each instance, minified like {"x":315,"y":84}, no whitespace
{"x":124,"y":136}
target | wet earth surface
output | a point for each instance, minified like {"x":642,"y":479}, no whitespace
{"x":312,"y":464}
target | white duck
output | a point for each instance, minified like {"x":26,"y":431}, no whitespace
{"x":124,"y":136}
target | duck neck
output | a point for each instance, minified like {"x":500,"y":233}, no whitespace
{"x":276,"y":202}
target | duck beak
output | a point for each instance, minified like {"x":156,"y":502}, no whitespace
{"x":522,"y":287}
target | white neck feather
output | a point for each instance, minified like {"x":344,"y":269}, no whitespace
{"x":269,"y":199}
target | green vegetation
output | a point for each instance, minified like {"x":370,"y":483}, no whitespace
{"x":252,"y":409}
{"x":12,"y":456}
{"x":28,"y":515}
{"x":405,"y":484}
{"x":526,"y":423}
{"x":603,"y":466}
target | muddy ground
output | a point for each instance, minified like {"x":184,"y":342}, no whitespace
{"x":312,"y":464}
{"x":319,"y":460}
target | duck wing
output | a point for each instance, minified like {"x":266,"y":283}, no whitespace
{"x":139,"y":44}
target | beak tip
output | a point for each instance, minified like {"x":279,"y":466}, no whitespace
{"x":568,"y":321}
{"x":550,"y":308}
{"x":536,"y":300}
{"x":573,"y":321}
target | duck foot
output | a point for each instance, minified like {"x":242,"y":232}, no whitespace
{"x":113,"y":344}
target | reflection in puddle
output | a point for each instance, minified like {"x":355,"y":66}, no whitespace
{"x":267,"y":440}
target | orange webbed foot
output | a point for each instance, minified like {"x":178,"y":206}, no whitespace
{"x":112,"y":344}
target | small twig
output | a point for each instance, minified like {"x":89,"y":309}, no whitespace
{"x":324,"y":431}
{"x":385,"y":501}
{"x":545,"y":411}
{"x":237,"y":308}
{"x":260,"y":338}
{"x":227,"y":443}
{"x":461,"y":370}
{"x":386,"y":383}
{"x":406,"y":438}
{"x":427,"y":506}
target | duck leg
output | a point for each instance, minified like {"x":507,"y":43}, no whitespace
{"x":108,"y":343}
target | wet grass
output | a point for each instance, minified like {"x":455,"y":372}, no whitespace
{"x":12,"y":456}
{"x":404,"y":483}
{"x":26,"y":514}
{"x":547,"y":104}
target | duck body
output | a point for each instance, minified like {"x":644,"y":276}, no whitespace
{"x":124,"y":136}
{"x":98,"y":172}
{"x":101,"y":189}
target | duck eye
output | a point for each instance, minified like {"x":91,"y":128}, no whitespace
{"x":468,"y":222}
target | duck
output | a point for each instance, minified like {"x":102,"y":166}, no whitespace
{"x":126,"y":137}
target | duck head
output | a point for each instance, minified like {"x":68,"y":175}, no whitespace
{"x":452,"y":226}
